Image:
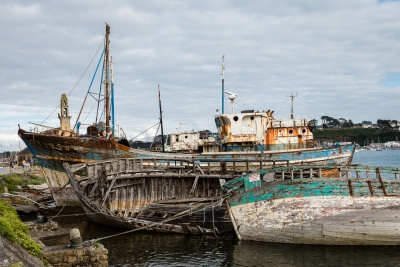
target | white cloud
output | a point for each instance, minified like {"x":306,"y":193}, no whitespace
{"x":335,"y":54}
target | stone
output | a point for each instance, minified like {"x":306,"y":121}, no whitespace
{"x":74,"y":233}
{"x":25,"y":208}
{"x":79,"y":253}
{"x":103,"y":257}
{"x":52,"y":258}
{"x":69,"y":253}
{"x":93,"y":258}
{"x":72,"y":259}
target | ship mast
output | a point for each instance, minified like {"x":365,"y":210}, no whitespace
{"x":107,"y":79}
{"x":161,"y":123}
{"x":223,"y":90}
{"x":291,"y":113}
{"x":112,"y":99}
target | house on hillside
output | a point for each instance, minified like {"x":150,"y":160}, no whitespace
{"x":367,"y":124}
{"x":395,"y":125}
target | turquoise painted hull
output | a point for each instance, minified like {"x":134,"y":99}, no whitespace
{"x":329,"y":211}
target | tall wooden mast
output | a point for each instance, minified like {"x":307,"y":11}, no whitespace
{"x":107,"y":75}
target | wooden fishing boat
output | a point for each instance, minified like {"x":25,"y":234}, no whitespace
{"x":299,"y":204}
{"x":178,"y":196}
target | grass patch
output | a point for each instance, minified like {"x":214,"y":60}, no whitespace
{"x":12,"y":228}
{"x":12,"y":180}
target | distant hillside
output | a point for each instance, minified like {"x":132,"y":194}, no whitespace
{"x":357,"y":135}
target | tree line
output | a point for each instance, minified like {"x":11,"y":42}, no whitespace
{"x":330,"y":122}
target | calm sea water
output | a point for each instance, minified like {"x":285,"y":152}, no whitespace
{"x":149,"y":249}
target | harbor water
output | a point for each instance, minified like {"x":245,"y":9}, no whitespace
{"x":155,"y":249}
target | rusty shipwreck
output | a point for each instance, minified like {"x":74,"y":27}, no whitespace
{"x":53,"y":146}
{"x":308,"y":205}
{"x":245,"y":136}
{"x":253,"y":134}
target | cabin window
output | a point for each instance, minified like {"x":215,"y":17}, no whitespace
{"x":186,"y":136}
{"x":235,"y":118}
{"x":252,"y":118}
{"x":177,"y":140}
{"x":290,"y":131}
{"x":299,"y":136}
{"x":304,"y":130}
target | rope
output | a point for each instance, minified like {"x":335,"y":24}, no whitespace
{"x":74,"y":85}
{"x":60,"y":210}
{"x":144,"y":131}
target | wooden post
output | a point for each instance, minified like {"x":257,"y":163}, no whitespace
{"x":378,"y":174}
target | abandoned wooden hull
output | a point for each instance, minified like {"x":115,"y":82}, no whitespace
{"x":164,"y":197}
{"x":328,"y":211}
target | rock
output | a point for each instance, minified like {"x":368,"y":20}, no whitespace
{"x":25,"y":208}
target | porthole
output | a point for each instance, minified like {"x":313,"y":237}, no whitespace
{"x":252,"y":118}
{"x":235,"y":118}
{"x":304,"y":130}
{"x":186,"y":136}
{"x":290,"y":131}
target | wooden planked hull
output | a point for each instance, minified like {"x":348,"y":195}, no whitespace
{"x":328,"y":211}
{"x":322,"y":220}
{"x":163,"y":197}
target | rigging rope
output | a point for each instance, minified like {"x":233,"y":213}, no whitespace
{"x":144,"y":131}
{"x":74,"y":85}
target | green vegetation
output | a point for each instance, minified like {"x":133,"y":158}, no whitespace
{"x":329,"y":122}
{"x":14,"y":179}
{"x":14,"y":230}
{"x":357,"y":135}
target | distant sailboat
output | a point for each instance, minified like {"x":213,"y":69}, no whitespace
{"x":379,"y":148}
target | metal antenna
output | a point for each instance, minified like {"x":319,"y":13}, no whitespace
{"x":292,"y":96}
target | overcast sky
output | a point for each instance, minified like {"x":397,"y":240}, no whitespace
{"x":341,"y":57}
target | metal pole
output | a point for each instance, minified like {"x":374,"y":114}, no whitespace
{"x":112,"y":100}
{"x":162,"y":130}
{"x":292,"y":96}
{"x":223,"y":85}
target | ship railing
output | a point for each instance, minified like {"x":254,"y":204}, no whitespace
{"x":181,"y":166}
{"x":334,"y":171}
